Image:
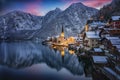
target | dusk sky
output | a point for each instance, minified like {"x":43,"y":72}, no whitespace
{"x":41,"y":7}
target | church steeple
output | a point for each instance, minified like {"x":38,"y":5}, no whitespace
{"x":62,"y":30}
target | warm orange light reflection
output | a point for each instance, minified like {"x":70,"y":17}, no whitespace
{"x":71,"y":51}
{"x":62,"y":53}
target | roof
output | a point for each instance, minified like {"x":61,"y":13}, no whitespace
{"x":115,"y":42}
{"x":95,"y":24}
{"x":117,"y":46}
{"x":113,"y":73}
{"x":99,"y":59}
{"x":117,"y":67}
{"x":98,"y":50}
{"x":115,"y":17}
{"x":92,"y":34}
{"x":109,"y":37}
{"x":108,"y":29}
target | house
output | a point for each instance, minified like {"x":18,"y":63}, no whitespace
{"x":110,"y":32}
{"x":98,"y":51}
{"x":100,"y":59}
{"x":117,"y":48}
{"x":115,"y":22}
{"x":91,"y":39}
{"x":92,"y":25}
{"x":109,"y":41}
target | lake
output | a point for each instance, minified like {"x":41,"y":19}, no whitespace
{"x":32,"y":60}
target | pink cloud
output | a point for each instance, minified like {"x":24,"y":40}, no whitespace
{"x":69,"y":2}
{"x":90,"y":3}
{"x":96,"y":3}
{"x":34,"y":8}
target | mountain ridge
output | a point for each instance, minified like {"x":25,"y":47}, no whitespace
{"x":72,"y":19}
{"x":109,"y":10}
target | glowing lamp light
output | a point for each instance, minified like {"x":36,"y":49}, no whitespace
{"x":62,"y":34}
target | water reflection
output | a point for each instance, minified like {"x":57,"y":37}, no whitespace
{"x":62,"y":50}
{"x":24,"y":54}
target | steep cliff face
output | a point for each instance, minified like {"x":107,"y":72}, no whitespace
{"x":21,"y":25}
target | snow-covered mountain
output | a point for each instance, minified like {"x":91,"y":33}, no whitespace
{"x":72,"y":19}
{"x":21,"y":25}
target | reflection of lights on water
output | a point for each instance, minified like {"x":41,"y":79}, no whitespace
{"x":62,"y":49}
{"x":62,"y":53}
{"x":71,"y":51}
{"x":54,"y":47}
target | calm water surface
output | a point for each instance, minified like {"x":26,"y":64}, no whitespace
{"x":36,"y":59}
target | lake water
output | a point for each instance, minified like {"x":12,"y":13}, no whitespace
{"x":42,"y":61}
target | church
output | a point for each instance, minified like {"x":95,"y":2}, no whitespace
{"x":61,"y":38}
{"x":65,"y":41}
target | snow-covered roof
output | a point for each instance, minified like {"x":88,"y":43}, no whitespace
{"x":117,"y":67}
{"x":98,"y":23}
{"x":92,"y":34}
{"x":115,"y":42}
{"x":113,"y":73}
{"x":101,"y":27}
{"x":99,"y":59}
{"x":117,"y":46}
{"x":111,"y":29}
{"x":98,"y":50}
{"x":109,"y":37}
{"x":115,"y":17}
{"x":118,"y":50}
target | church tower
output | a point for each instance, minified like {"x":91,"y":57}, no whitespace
{"x":86,"y":28}
{"x":62,"y":33}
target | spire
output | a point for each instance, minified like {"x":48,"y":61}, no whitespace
{"x":62,"y":29}
{"x":62,"y":33}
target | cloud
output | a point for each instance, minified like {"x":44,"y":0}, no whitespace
{"x":40,"y":7}
{"x":34,"y":8}
{"x":96,"y":3}
{"x":90,"y":3}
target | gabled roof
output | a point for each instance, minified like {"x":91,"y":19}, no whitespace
{"x":99,"y":59}
{"x":112,"y":38}
{"x":98,"y":50}
{"x":115,"y":17}
{"x":115,"y":42}
{"x":117,"y":46}
{"x":92,"y":34}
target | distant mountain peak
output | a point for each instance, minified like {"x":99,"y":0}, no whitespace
{"x":79,"y":4}
{"x":57,"y":9}
{"x":26,"y":26}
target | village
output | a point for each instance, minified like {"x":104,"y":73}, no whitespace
{"x":99,"y":43}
